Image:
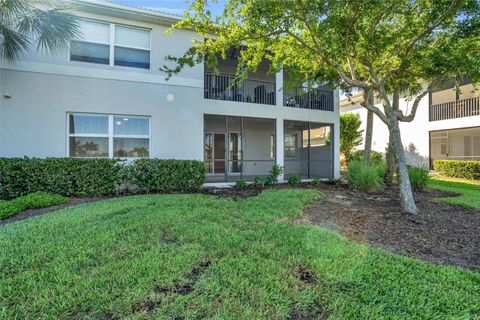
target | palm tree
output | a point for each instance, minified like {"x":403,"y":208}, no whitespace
{"x":26,"y":22}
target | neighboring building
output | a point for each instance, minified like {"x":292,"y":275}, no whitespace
{"x":446,"y":126}
{"x":105,"y":97}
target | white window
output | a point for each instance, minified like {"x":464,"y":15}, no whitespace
{"x":99,"y":135}
{"x":111,"y":44}
{"x":290,"y":144}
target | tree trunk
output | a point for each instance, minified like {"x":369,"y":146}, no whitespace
{"x":406,"y":196}
{"x":368,"y":137}
{"x":390,"y":166}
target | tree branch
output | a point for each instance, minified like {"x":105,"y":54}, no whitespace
{"x":365,"y":103}
{"x":416,"y":103}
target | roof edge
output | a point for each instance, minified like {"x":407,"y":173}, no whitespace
{"x":125,"y":11}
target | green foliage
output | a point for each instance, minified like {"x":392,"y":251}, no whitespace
{"x":113,"y":259}
{"x":34,"y":200}
{"x":158,"y":175}
{"x":458,"y":168}
{"x":96,"y":177}
{"x":64,"y":176}
{"x":350,"y":133}
{"x":269,"y":181}
{"x":419,"y":177}
{"x":275,"y":172}
{"x":359,"y":155}
{"x":241,"y":184}
{"x":258,"y":182}
{"x":294,"y":179}
{"x":365,"y":177}
{"x":21,"y":20}
{"x":316,"y":181}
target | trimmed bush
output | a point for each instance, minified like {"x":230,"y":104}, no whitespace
{"x":64,"y":176}
{"x":359,"y":155}
{"x":158,"y":175}
{"x":30,"y":201}
{"x":363,"y":177}
{"x":458,"y":168}
{"x":294,"y":179}
{"x":419,"y":177}
{"x":241,"y":184}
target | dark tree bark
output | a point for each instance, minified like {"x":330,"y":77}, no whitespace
{"x":390,"y":166}
{"x":368,"y":136}
{"x":369,"y":98}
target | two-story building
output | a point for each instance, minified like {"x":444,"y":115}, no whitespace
{"x":446,"y":125}
{"x":105,"y":96}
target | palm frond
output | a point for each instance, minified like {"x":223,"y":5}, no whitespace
{"x":12,"y":43}
{"x":24,"y":22}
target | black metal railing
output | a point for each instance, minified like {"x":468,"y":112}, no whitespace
{"x":223,"y":87}
{"x":303,"y":97}
{"x":455,"y":109}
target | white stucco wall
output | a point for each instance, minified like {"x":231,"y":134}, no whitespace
{"x":45,"y":87}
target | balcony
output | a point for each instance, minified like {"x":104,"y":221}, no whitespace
{"x":455,"y":109}
{"x":223,"y":87}
{"x":313,"y":98}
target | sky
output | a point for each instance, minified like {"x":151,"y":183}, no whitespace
{"x":171,"y":6}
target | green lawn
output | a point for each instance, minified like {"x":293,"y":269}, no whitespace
{"x":469,"y":190}
{"x":133,"y":258}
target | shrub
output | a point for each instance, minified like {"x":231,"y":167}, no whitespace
{"x":458,"y":168}
{"x":30,"y":201}
{"x":64,"y":176}
{"x":359,"y":155}
{"x":268,"y":181}
{"x":158,"y":175}
{"x":350,"y":133}
{"x":419,"y":177}
{"x":317,"y":181}
{"x":241,"y":184}
{"x":365,"y":177}
{"x":258,"y":182}
{"x":294,"y":179}
{"x":275,"y":172}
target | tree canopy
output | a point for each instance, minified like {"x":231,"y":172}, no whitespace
{"x":386,"y":48}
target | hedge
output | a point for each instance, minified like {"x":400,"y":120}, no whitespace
{"x":158,"y":175}
{"x":458,"y":168}
{"x":97,"y":177}
{"x":30,"y":201}
{"x":63,"y":176}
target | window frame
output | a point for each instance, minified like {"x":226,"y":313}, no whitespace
{"x":110,"y":133}
{"x":111,"y":45}
{"x":285,"y":147}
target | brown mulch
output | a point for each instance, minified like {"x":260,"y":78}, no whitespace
{"x":441,"y":233}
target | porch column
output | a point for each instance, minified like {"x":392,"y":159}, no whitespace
{"x":279,"y":88}
{"x":279,"y":145}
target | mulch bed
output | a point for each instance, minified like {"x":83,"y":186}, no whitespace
{"x":441,"y":233}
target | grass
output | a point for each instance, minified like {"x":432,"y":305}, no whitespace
{"x":469,"y":190}
{"x":33,"y":200}
{"x":195,"y":256}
